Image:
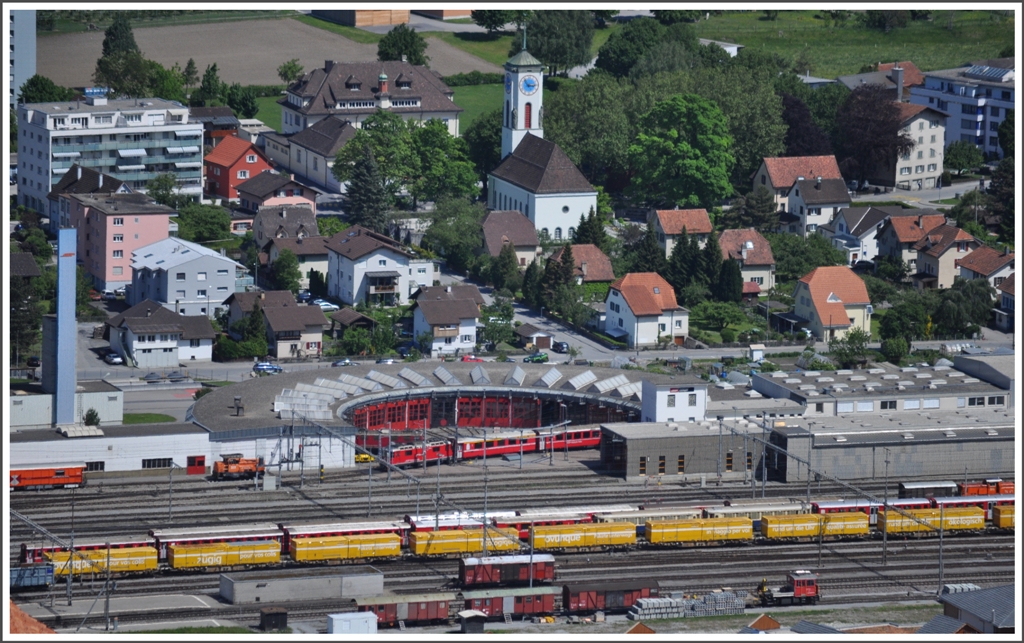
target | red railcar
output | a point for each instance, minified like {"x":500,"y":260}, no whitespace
{"x":411,"y":609}
{"x":983,"y":502}
{"x":518,"y":601}
{"x":991,"y":487}
{"x":48,"y":476}
{"x":398,"y":415}
{"x":523,"y":523}
{"x":606,"y":597}
{"x":408,"y":455}
{"x":506,"y":570}
{"x":425,"y":523}
{"x":30,"y":554}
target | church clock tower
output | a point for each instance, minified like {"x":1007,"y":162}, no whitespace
{"x":523,"y":109}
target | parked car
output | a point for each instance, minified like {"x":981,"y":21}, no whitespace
{"x":365,"y":457}
{"x":471,"y":358}
{"x":120,"y":292}
{"x":113,"y":358}
{"x":267,"y":367}
{"x":108,"y":295}
{"x":344,"y":362}
{"x":404,"y":349}
{"x":536,"y":358}
{"x":95,"y":296}
{"x":386,"y":360}
{"x":304,"y":295}
{"x":560,"y":347}
{"x":327,"y":306}
{"x":32,"y":362}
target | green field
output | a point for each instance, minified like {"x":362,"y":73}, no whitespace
{"x":352,"y":33}
{"x":490,"y":47}
{"x":476,"y":100}
{"x":843,"y":50}
{"x":147,"y":418}
{"x":64,"y":25}
{"x":270,"y":111}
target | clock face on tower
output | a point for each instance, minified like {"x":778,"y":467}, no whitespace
{"x":529,"y":85}
{"x":508,"y":83}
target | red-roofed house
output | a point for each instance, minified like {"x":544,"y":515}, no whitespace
{"x":642,"y":308}
{"x":754,"y":254}
{"x":938,"y":253}
{"x":987,"y":263}
{"x":897,"y":236}
{"x":591,"y":265}
{"x":669,"y":225}
{"x":833,"y":300}
{"x":232,"y":162}
{"x":1004,"y":313}
{"x":778,"y":174}
{"x":922,"y":167}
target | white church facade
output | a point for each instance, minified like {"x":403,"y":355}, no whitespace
{"x":535,"y":176}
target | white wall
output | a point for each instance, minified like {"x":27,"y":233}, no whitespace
{"x":643,"y":331}
{"x":201,"y":353}
{"x":467,"y":328}
{"x":658,"y":397}
{"x":157,"y":357}
{"x":545,"y":211}
{"x":346,"y":279}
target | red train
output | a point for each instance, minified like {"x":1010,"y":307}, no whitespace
{"x":496,"y":445}
{"x":517,"y":601}
{"x":506,"y":570}
{"x":48,"y":476}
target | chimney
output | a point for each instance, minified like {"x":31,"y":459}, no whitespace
{"x":583,"y":268}
{"x":405,"y":58}
{"x":328,"y":65}
{"x":80,"y":172}
{"x":291,"y":176}
{"x":101,"y":177}
{"x":448,"y":288}
{"x":223,"y":253}
{"x":897,"y":77}
{"x":149,"y":311}
{"x":817,"y":184}
{"x":743,"y":253}
{"x":263,"y":295}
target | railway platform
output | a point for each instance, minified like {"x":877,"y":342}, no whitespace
{"x":71,"y":615}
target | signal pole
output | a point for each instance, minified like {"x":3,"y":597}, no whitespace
{"x":885,"y":507}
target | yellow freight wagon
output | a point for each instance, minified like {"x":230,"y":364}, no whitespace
{"x":345,"y":547}
{"x":662,"y":532}
{"x":1003,"y":516}
{"x":135,"y":559}
{"x":813,"y":525}
{"x":954,"y":519}
{"x":462,"y":541}
{"x":262,"y":552}
{"x":607,"y":534}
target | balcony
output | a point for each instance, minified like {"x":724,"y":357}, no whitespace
{"x":440,"y":331}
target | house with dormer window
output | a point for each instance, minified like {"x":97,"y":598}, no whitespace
{"x":813,"y":203}
{"x":363,"y":265}
{"x":669,"y":225}
{"x":778,"y":174}
{"x":938,"y":255}
{"x":987,"y":263}
{"x":831,"y":301}
{"x":641,"y":309}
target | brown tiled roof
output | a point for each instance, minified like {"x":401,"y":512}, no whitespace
{"x":265,"y":183}
{"x":138,"y":310}
{"x":912,"y":229}
{"x":22,"y":623}
{"x":885,"y":628}
{"x":70,"y":183}
{"x":985,"y":261}
{"x":295,"y":318}
{"x":673,"y":221}
{"x":230,"y":149}
{"x":539,"y":166}
{"x":302,"y":247}
{"x":196,"y":327}
{"x":909,"y":110}
{"x":646,"y":293}
{"x":783,"y":172}
{"x":326,"y":86}
{"x":285,"y":221}
{"x":349,"y":316}
{"x":269,"y":299}
{"x":447,"y":311}
{"x":161,"y":320}
{"x":512,"y":226}
{"x":911,"y":74}
{"x":828,"y":191}
{"x":464,"y":291}
{"x":831,"y":287}
{"x":599,"y":266}
{"x":358,"y":241}
{"x":529,"y":330}
{"x":23,"y":264}
{"x":940,"y":238}
{"x":1007,"y":285}
{"x":325,"y":137}
{"x":732,"y":241}
{"x":751,"y":288}
{"x":763,"y":623}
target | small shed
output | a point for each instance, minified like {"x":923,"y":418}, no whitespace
{"x":530,"y":334}
{"x":756,"y":352}
{"x":472,"y":621}
{"x":273,"y":618}
{"x":352,"y":623}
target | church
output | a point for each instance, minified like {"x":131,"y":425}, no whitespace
{"x":535,"y":176}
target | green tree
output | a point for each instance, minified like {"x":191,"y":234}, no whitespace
{"x":824,"y":106}
{"x":756,"y":210}
{"x":330,"y":226}
{"x":730,"y":283}
{"x":483,"y":136}
{"x":446,"y":170}
{"x":164,"y":189}
{"x":711,"y":260}
{"x":199,"y":223}
{"x":648,"y":256}
{"x":1003,"y":198}
{"x":879,"y":291}
{"x":964,"y":307}
{"x":254,"y":326}
{"x":383,"y":338}
{"x":317,"y":284}
{"x":962,"y":155}
{"x":118,"y":37}
{"x":168,"y":84}
{"x":591,"y":230}
{"x":242,"y":100}
{"x":803,"y":136}
{"x":91,"y":418}
{"x":403,"y":41}
{"x":126,"y":73}
{"x":285,"y":272}
{"x":682,"y":264}
{"x":570,"y":302}
{"x":1006,"y":136}
{"x":505,"y":269}
{"x":771,"y":15}
{"x":910,"y":316}
{"x":885,"y":20}
{"x":290,"y":71}
{"x":356,"y":341}
{"x":390,"y":141}
{"x":717,"y":314}
{"x":455,"y":231}
{"x":40,"y":89}
{"x":491,"y":20}
{"x":671,"y":17}
{"x":191,"y":74}
{"x":892,"y":269}
{"x":36,"y":244}
{"x":367,"y":198}
{"x":850,"y":349}
{"x":682,"y":153}
{"x":796,"y":256}
{"x":211,"y":89}
{"x":626,"y":46}
{"x":497,"y":320}
{"x":895,"y":349}
{"x":559,"y":38}
{"x":25,"y":317}
{"x":532,"y":294}
{"x":870,"y":131}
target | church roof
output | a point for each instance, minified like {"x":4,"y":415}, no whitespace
{"x":524,"y":59}
{"x":541,"y":167}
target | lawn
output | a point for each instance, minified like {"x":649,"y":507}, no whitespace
{"x":352,"y":33}
{"x":490,"y":47}
{"x":476,"y":100}
{"x":147,"y":418}
{"x":270,"y":111}
{"x":601,"y":36}
{"x":843,"y":50}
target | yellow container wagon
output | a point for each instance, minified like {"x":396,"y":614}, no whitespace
{"x":608,"y":534}
{"x":954,"y":519}
{"x":667,"y":532}
{"x":462,"y":541}
{"x":135,"y":559}
{"x":785,"y":526}
{"x":263,"y":552}
{"x":345,"y":547}
{"x":1003,"y":516}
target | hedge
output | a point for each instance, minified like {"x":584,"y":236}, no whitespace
{"x":228,"y":349}
{"x":474,"y":78}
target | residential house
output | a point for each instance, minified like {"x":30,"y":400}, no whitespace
{"x":310,"y":251}
{"x":753,"y":253}
{"x":778,"y":174}
{"x":363,"y":265}
{"x":240,"y":305}
{"x":511,"y":227}
{"x":987,"y":611}
{"x":590,"y":265}
{"x":897,"y":236}
{"x":363,"y":18}
{"x":241,"y":222}
{"x":856,"y":231}
{"x":283,"y":222}
{"x":232,"y":163}
{"x":642,"y":308}
{"x":669,"y":224}
{"x":977,"y":98}
{"x":111,"y":227}
{"x":938,"y":254}
{"x":79,"y":180}
{"x":219,"y":123}
{"x":451,"y":324}
{"x":132,"y":140}
{"x":185,"y":277}
{"x":451,"y":292}
{"x":831,"y":301}
{"x":24,"y":265}
{"x":310,"y":153}
{"x":342,"y":320}
{"x":270,"y":189}
{"x":897,"y":77}
{"x":530,"y":335}
{"x":148,"y":335}
{"x":813,"y":202}
{"x":987,"y":263}
{"x":1005,"y":307}
{"x":355,"y":91}
{"x":921,"y":167}
{"x":294,"y":332}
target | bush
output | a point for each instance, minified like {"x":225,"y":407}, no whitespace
{"x":227,"y":349}
{"x":728,"y":335}
{"x":473,"y":78}
{"x":201,"y":392}
{"x":92,"y":418}
{"x":894,"y":349}
{"x":263,"y":91}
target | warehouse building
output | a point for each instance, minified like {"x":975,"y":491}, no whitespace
{"x":298,"y":585}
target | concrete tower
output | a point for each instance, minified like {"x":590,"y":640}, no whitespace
{"x":60,"y":335}
{"x":23,"y":49}
{"x":524,"y":100}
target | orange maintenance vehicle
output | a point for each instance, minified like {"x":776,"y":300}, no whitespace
{"x":235,"y":465}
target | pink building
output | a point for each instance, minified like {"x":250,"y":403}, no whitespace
{"x":111,"y":227}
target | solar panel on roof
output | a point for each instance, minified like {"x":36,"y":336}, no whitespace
{"x":386,"y":380}
{"x":414,"y":377}
{"x":515,"y":377}
{"x":582,"y":380}
{"x":612,"y":382}
{"x":445,"y":376}
{"x":985,"y":72}
{"x":479,"y":375}
{"x":548,"y":379}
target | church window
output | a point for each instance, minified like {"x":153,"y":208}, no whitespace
{"x":558,"y":234}
{"x":572,"y":233}
{"x":526,"y":115}
{"x":544,"y":231}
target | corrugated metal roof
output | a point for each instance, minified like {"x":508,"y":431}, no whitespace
{"x":941,"y":624}
{"x":389,"y":599}
{"x":995,"y":605}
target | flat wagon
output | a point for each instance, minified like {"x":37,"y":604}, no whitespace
{"x":68,"y":475}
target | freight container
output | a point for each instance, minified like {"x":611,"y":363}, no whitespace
{"x":698,"y":531}
{"x":223,"y":554}
{"x":139,"y":559}
{"x":953,"y":518}
{"x":462,"y":541}
{"x":31,"y":576}
{"x":1003,"y":516}
{"x":346,"y":547}
{"x":815,"y":525}
{"x":608,"y":534}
